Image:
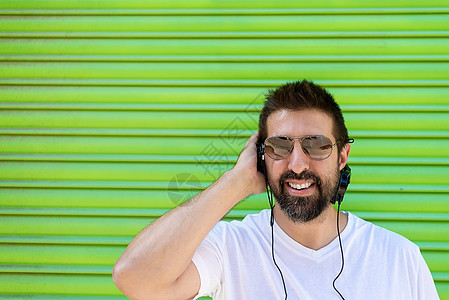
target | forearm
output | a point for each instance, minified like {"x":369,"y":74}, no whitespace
{"x":162,"y":251}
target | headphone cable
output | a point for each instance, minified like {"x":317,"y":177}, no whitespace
{"x":272,"y":243}
{"x":341,"y":250}
{"x":270,"y":200}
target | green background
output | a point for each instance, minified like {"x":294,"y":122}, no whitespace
{"x":113,"y":112}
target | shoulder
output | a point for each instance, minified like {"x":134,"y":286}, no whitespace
{"x":381,"y":238}
{"x":381,"y":251}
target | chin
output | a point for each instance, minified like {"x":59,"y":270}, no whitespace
{"x":303,"y":209}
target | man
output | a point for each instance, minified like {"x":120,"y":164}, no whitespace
{"x":188,"y":253}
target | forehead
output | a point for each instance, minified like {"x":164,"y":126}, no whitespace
{"x":299,"y":123}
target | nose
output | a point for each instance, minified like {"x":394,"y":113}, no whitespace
{"x":298,"y":161}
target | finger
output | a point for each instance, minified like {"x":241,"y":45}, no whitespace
{"x":253,"y":138}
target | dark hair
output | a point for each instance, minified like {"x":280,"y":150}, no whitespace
{"x":301,"y":95}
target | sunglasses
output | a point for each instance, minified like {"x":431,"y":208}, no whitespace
{"x":317,"y":147}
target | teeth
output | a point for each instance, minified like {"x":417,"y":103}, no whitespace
{"x":300,"y":186}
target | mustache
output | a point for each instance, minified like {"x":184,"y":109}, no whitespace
{"x":304,"y":175}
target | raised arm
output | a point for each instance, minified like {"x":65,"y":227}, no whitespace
{"x":158,"y":262}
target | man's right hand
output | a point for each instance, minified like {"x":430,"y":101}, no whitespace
{"x":246,"y":167}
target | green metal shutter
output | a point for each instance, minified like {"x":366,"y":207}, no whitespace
{"x":113,"y":112}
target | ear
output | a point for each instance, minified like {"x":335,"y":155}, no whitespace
{"x":344,"y":155}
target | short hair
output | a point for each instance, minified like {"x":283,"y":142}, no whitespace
{"x":301,"y":95}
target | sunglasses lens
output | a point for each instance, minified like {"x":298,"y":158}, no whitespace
{"x":318,"y":147}
{"x":278,"y":147}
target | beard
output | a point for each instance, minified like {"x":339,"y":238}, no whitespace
{"x":305,"y":209}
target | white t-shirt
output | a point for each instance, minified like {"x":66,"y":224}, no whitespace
{"x":235,"y":263}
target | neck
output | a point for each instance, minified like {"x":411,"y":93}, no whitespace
{"x":314,"y":234}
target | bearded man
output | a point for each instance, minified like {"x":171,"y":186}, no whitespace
{"x":301,"y":248}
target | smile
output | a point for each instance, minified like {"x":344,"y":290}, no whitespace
{"x":300,"y":186}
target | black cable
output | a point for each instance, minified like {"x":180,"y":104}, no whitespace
{"x":341,"y":250}
{"x":270,"y":200}
{"x":272,"y":246}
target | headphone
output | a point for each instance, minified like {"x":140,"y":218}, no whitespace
{"x":343,"y":182}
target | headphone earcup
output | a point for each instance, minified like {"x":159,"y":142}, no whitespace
{"x":260,"y":159}
{"x":343,"y":182}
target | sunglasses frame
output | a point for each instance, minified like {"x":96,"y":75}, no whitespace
{"x":300,"y":138}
